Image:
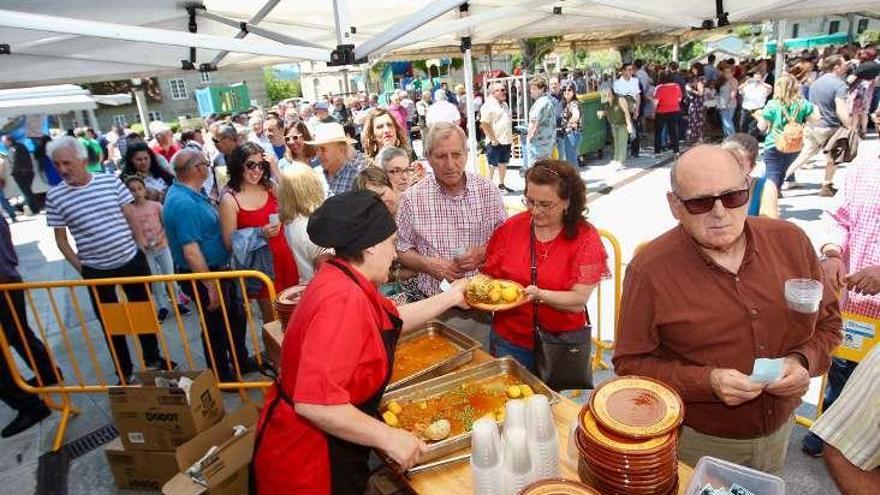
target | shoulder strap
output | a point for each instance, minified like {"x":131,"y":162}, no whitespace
{"x":534,"y":271}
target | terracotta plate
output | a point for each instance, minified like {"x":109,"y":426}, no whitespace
{"x":637,"y":407}
{"x":290,"y":295}
{"x":610,"y":441}
{"x":558,"y":487}
{"x":485,"y":306}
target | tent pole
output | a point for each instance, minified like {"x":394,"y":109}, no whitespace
{"x":471,"y":124}
{"x":676,"y":48}
{"x":141,"y":99}
{"x":780,"y":46}
{"x":851,"y":26}
{"x":259,"y":16}
{"x":93,"y":121}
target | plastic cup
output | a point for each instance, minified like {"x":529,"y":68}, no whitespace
{"x":542,"y":437}
{"x":803,"y":294}
{"x":517,"y":461}
{"x":515,"y":414}
{"x":486,"y":458}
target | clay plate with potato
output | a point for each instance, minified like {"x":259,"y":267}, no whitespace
{"x":488,"y":294}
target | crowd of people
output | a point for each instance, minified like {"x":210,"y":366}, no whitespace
{"x":333,"y":195}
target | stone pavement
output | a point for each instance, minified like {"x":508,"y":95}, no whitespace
{"x":630,"y":203}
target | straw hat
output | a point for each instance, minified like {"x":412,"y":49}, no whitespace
{"x":330,"y":133}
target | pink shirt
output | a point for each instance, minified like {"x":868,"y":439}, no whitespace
{"x":400,"y":115}
{"x":856,"y":229}
{"x":147,"y":219}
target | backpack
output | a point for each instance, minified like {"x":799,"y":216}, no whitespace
{"x":791,"y":138}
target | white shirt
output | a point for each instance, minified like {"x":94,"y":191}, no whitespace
{"x":754,"y":94}
{"x":497,"y":114}
{"x":304,"y":250}
{"x":623,"y":87}
{"x":643,"y":78}
{"x":442,"y":111}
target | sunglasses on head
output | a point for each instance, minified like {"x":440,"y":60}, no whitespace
{"x":704,"y":204}
{"x":254,"y":165}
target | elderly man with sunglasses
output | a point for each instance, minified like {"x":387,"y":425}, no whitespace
{"x":704,"y":300}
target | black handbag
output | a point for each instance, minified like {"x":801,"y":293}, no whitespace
{"x":562,"y":360}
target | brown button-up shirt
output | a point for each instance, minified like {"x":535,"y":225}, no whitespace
{"x":683,"y":315}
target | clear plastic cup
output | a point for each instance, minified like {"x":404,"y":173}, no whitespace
{"x":515,"y":414}
{"x":572,"y":453}
{"x":486,"y":458}
{"x":517,"y":461}
{"x":543,"y":443}
{"x":803,"y":294}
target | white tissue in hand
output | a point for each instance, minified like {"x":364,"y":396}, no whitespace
{"x":766,"y":370}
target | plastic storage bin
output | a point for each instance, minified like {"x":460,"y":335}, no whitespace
{"x":721,"y":473}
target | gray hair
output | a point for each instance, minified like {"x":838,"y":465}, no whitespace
{"x":69,"y":142}
{"x":390,"y":153}
{"x":227,"y":131}
{"x":442,"y":130}
{"x":440,"y":95}
{"x":186,"y":159}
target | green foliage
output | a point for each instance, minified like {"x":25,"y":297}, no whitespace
{"x":533,"y":50}
{"x":138,"y":128}
{"x":604,"y":60}
{"x":663,"y":53}
{"x":279,"y":89}
{"x":870,"y":36}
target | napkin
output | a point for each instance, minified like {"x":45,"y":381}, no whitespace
{"x":766,"y":370}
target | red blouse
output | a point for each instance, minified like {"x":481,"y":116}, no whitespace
{"x":562,"y":263}
{"x":332,"y":354}
{"x":668,"y":98}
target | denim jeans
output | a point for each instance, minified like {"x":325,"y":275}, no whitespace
{"x":727,"y":121}
{"x":4,"y":203}
{"x":161,"y":263}
{"x":570,"y":146}
{"x":500,"y":347}
{"x":667,"y":122}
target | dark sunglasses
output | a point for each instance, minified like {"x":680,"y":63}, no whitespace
{"x":730,"y":200}
{"x":254,"y":165}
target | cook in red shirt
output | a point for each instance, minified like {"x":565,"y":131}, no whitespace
{"x":321,"y":416}
{"x":570,"y":257}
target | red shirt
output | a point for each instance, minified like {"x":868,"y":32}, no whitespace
{"x":581,"y":260}
{"x":167,"y":153}
{"x":332,"y":354}
{"x":668,"y":98}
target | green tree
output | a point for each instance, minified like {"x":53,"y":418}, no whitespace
{"x":533,"y":50}
{"x":280,"y":89}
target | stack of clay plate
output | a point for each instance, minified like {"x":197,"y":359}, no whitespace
{"x":286,"y":302}
{"x":628,"y":438}
{"x":558,"y":486}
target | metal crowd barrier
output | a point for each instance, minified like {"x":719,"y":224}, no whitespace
{"x":128,"y":318}
{"x":617,"y":281}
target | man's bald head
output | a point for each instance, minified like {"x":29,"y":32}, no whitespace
{"x":701,"y":163}
{"x":187,"y":165}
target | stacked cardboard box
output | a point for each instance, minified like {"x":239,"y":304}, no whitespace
{"x":163,"y":430}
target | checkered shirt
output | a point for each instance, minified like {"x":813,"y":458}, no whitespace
{"x":438,"y":225}
{"x":854,"y":226}
{"x":343,"y":180}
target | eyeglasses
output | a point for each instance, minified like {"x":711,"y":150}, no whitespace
{"x":293,"y":139}
{"x":539,"y":206}
{"x":254,"y":165}
{"x":399,"y":171}
{"x":704,"y":204}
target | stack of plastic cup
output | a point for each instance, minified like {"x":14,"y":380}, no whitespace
{"x":517,"y":461}
{"x":543,"y":445}
{"x":572,"y":455}
{"x":486,"y":458}
{"x":803,"y":295}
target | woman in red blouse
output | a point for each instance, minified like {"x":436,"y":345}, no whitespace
{"x":569,"y":253}
{"x":667,"y":96}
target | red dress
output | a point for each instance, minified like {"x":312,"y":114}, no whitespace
{"x":562,"y":263}
{"x":286,"y":273}
{"x":337,"y":350}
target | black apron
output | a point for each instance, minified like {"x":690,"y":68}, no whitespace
{"x":349,"y":472}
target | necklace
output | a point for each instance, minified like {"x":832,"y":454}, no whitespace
{"x":544,"y":253}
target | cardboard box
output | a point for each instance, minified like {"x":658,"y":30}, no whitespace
{"x":158,"y":418}
{"x":140,"y":470}
{"x":226,"y":470}
{"x":273,"y":337}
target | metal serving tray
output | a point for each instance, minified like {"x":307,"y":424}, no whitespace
{"x":452,"y":381}
{"x":465,"y":345}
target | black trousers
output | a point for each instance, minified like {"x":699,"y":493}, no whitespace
{"x":221,"y":347}
{"x":25,"y":183}
{"x":136,"y":267}
{"x":635,"y":144}
{"x":10,"y":393}
{"x":669,"y":121}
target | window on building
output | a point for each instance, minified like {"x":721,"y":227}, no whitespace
{"x":205,"y":77}
{"x":795,"y":30}
{"x":153,"y":116}
{"x":119,"y":119}
{"x":178,"y":89}
{"x":863,"y":26}
{"x":833,"y":27}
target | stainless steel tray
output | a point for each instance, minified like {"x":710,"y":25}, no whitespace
{"x":464,"y":355}
{"x":451,"y":381}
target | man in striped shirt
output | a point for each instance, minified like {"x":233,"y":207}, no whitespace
{"x":96,"y":208}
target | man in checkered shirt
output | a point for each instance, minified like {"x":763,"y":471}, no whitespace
{"x":445,"y":220}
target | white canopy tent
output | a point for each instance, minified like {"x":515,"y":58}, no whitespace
{"x":50,"y":100}
{"x":43,"y":41}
